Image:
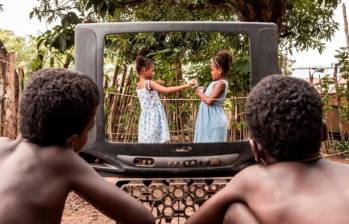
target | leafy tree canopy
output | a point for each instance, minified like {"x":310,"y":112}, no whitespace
{"x":302,"y":24}
{"x":24,"y":47}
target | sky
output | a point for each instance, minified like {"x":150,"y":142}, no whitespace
{"x":313,"y":58}
{"x":15,"y":17}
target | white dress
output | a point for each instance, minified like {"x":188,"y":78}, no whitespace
{"x":152,"y":126}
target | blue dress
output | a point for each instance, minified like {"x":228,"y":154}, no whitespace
{"x":211,"y":120}
{"x":152,"y":126}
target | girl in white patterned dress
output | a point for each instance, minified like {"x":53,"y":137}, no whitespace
{"x":152,"y":127}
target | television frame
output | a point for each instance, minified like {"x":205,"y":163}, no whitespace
{"x":170,"y":159}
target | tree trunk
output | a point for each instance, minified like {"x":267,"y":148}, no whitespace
{"x":114,"y":85}
{"x":311,"y":78}
{"x":346,"y":31}
{"x":122,"y":100}
{"x":320,"y":84}
{"x":2,"y":94}
{"x":179,"y":78}
{"x":11,"y":98}
{"x":346,"y":27}
{"x":20,"y":90}
{"x":21,"y":80}
{"x":67,"y":61}
{"x":3,"y":68}
{"x":338,"y":99}
{"x":3,"y":51}
{"x":261,"y":10}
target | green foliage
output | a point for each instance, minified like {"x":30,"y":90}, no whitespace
{"x":308,"y":24}
{"x":342,"y":147}
{"x":24,"y":47}
{"x":343,"y":91}
{"x":285,"y":63}
{"x":326,"y":88}
{"x":31,"y":53}
{"x":182,"y":55}
{"x":59,"y":41}
{"x":326,"y":82}
{"x":305,"y":24}
{"x":61,"y":37}
{"x":176,"y":55}
{"x":343,"y":62}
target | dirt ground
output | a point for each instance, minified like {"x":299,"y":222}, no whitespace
{"x":338,"y":159}
{"x":77,"y":211}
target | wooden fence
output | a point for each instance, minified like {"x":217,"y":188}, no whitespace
{"x":122,"y":111}
{"x":11,"y":86}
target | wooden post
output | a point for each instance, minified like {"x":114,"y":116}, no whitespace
{"x":11,"y":98}
{"x":3,"y":51}
{"x":335,"y":79}
{"x":3,"y":68}
{"x":2,"y":92}
{"x":338,"y":99}
{"x":311,"y":78}
{"x":320,"y":84}
{"x":346,"y":29}
{"x":286,"y":63}
{"x":20,"y":80}
{"x":20,"y":76}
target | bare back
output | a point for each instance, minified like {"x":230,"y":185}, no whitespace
{"x":300,"y":193}
{"x":288,"y":192}
{"x":34,"y":187}
{"x":35,"y":182}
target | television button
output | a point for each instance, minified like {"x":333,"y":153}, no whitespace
{"x":215,"y":162}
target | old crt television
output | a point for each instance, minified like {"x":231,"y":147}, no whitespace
{"x":170,"y":159}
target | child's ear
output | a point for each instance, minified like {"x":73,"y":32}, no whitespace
{"x":324,"y":135}
{"x":259,"y":154}
{"x":71,"y":141}
{"x":254,"y":149}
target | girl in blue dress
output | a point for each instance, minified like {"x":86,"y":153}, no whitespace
{"x":152,"y":127}
{"x":211,"y":121}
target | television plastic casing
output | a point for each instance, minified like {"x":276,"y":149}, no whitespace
{"x":194,"y":159}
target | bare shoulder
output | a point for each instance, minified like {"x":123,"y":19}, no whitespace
{"x":140,"y":85}
{"x":79,"y":163}
{"x":58,"y":161}
{"x":253,"y":173}
{"x":69,"y":167}
{"x":220,"y":84}
{"x":249,"y":178}
{"x":7,"y":146}
{"x":336,"y":164}
{"x":72,"y":161}
{"x":80,"y":170}
{"x":5,"y":139}
{"x":335,"y":167}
